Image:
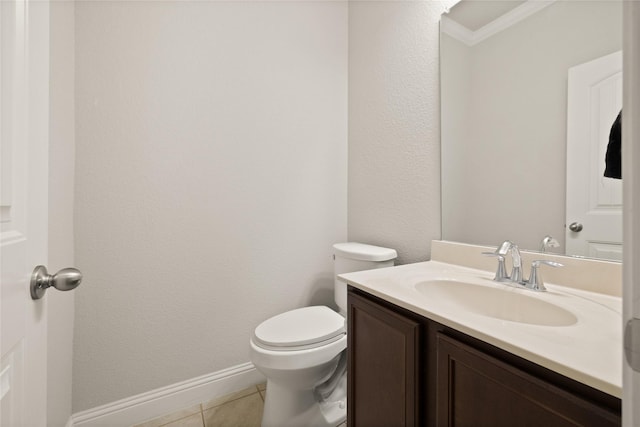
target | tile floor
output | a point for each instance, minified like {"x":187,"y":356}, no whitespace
{"x":239,"y":409}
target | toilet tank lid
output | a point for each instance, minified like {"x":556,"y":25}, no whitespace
{"x":363,"y":252}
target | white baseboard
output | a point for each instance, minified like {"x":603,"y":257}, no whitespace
{"x":165,"y":400}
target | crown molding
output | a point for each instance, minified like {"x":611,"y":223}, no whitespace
{"x":471,"y":38}
{"x":457,"y":31}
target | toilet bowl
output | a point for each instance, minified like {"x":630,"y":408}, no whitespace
{"x":302,"y":352}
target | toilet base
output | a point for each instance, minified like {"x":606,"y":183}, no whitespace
{"x":286,"y":407}
{"x":334,"y":407}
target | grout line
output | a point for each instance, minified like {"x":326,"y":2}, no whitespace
{"x":233,"y":400}
{"x":202,"y":415}
{"x":179,"y":419}
{"x":262,"y":392}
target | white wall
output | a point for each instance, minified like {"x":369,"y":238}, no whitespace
{"x":394,"y":125}
{"x":211,"y":177}
{"x":455,"y":90}
{"x":60,"y":305}
{"x":515,"y":155}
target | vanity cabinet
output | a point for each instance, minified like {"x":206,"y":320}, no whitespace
{"x":476,"y":389}
{"x":407,"y":370}
{"x":383,"y":365}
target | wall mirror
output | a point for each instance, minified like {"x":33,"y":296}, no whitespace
{"x":513,"y":121}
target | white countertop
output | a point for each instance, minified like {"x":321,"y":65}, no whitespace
{"x":588,"y":351}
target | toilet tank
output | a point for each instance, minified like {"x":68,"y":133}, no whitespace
{"x":352,"y":256}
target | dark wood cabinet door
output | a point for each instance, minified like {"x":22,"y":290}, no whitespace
{"x":477,"y":390}
{"x":383,"y":355}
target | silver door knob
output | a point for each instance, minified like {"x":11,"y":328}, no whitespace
{"x":64,"y":280}
{"x":575,"y":227}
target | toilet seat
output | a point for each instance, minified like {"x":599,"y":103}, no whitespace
{"x":300,"y":329}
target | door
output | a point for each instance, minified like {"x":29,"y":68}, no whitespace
{"x":594,"y":203}
{"x":24,"y":74}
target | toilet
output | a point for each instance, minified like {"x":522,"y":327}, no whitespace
{"x":302,"y":352}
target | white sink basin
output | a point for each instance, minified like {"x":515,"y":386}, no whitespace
{"x":505,"y":304}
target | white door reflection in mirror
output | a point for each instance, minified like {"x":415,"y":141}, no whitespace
{"x":593,"y":201}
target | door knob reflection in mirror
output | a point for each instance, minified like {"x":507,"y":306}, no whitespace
{"x":575,"y":227}
{"x":64,"y":280}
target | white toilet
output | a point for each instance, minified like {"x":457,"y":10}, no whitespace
{"x":302,"y":352}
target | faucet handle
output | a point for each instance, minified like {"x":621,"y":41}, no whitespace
{"x":501,"y":272}
{"x":535,"y":282}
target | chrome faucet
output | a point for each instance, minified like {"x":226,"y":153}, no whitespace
{"x":507,"y":247}
{"x":534,"y":282}
{"x":516,"y":269}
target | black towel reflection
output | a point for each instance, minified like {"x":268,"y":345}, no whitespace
{"x":613,"y":158}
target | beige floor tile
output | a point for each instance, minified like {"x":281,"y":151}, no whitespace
{"x":165,"y":419}
{"x":194,"y":420}
{"x":245,"y":412}
{"x":229,"y":397}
